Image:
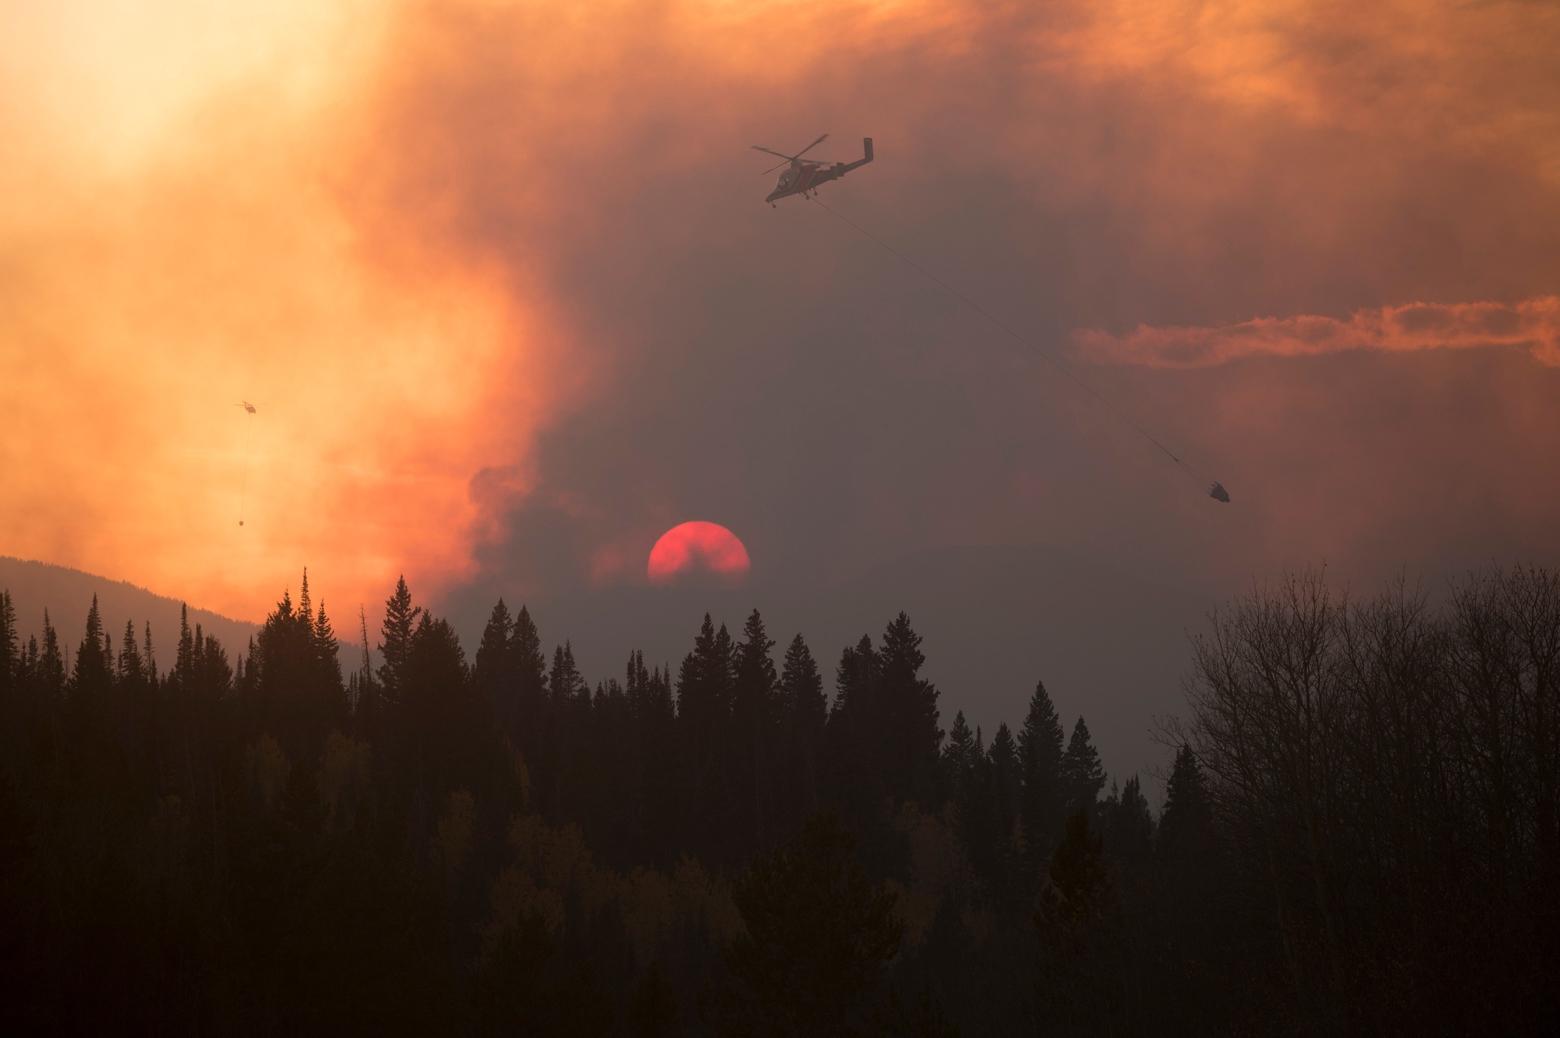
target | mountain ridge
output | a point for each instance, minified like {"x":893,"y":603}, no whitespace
{"x":66,"y":593}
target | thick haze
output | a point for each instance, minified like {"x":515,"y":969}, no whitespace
{"x":500,"y":279}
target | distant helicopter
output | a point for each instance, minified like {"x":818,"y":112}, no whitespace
{"x":804,"y":175}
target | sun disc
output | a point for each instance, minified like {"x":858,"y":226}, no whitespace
{"x":697,"y":547}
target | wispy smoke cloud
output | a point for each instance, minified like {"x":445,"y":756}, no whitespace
{"x":1531,"y":324}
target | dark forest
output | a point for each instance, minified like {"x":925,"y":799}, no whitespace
{"x":1360,"y":832}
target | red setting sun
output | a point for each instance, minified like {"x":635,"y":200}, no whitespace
{"x":697,"y":547}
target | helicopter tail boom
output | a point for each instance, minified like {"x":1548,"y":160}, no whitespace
{"x":866,"y":149}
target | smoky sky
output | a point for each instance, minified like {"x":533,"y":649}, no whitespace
{"x":775,"y":371}
{"x":562,"y":201}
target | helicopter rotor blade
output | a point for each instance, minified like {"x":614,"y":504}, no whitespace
{"x":771,"y":151}
{"x":811,"y":146}
{"x":771,"y":169}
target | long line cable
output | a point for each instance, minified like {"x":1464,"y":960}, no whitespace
{"x":1009,"y":331}
{"x":248,"y":462}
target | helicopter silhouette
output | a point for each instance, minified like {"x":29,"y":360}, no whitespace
{"x":804,"y":175}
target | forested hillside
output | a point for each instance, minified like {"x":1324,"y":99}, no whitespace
{"x":1361,"y":833}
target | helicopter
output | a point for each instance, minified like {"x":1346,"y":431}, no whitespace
{"x":804,"y":175}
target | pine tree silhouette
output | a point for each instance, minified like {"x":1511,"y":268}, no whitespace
{"x":1040,"y":760}
{"x":395,"y":646}
{"x":751,"y":760}
{"x":10,"y":658}
{"x":806,"y":713}
{"x":1082,"y":775}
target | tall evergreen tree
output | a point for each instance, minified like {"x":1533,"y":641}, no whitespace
{"x":49,"y":668}
{"x":855,"y":680}
{"x":655,"y":721}
{"x":1040,"y":760}
{"x":363,"y":704}
{"x":806,"y":712}
{"x":703,"y":723}
{"x":528,"y":668}
{"x":909,"y":717}
{"x":750,"y":758}
{"x":326,"y":650}
{"x":94,"y":669}
{"x":305,"y":603}
{"x":10,"y":658}
{"x":183,"y":676}
{"x":1186,"y":818}
{"x":1129,"y":827}
{"x":147,"y":654}
{"x":565,"y":684}
{"x":294,"y":679}
{"x":1004,"y":790}
{"x":856,"y":781}
{"x":958,"y":757}
{"x":492,"y":671}
{"x":396,"y":639}
{"x":131,"y":669}
{"x":1082,"y":775}
{"x":567,"y":720}
{"x":439,"y":708}
{"x":214,"y":674}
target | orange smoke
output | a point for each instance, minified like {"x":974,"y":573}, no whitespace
{"x":1532,"y":324}
{"x":211,"y":258}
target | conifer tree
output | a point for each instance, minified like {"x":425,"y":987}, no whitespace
{"x":1005,"y":790}
{"x":214,"y":675}
{"x":326,"y":649}
{"x":131,"y":668}
{"x":27,"y":667}
{"x":1040,"y":760}
{"x":396,"y":645}
{"x":656,"y":724}
{"x":704,"y":682}
{"x":852,"y":756}
{"x":493,"y":660}
{"x":1186,"y":818}
{"x":49,"y":670}
{"x":10,"y":660}
{"x":958,"y":758}
{"x":148,"y":657}
{"x":909,"y":716}
{"x":438,"y":707}
{"x":528,"y":666}
{"x":806,"y":712}
{"x":94,"y":668}
{"x":183,"y":676}
{"x":1082,"y":775}
{"x":1129,"y":829}
{"x":293,"y":679}
{"x":305,"y":603}
{"x":750,"y":761}
{"x":363,"y":700}
{"x":565,"y":684}
{"x":855,"y":680}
